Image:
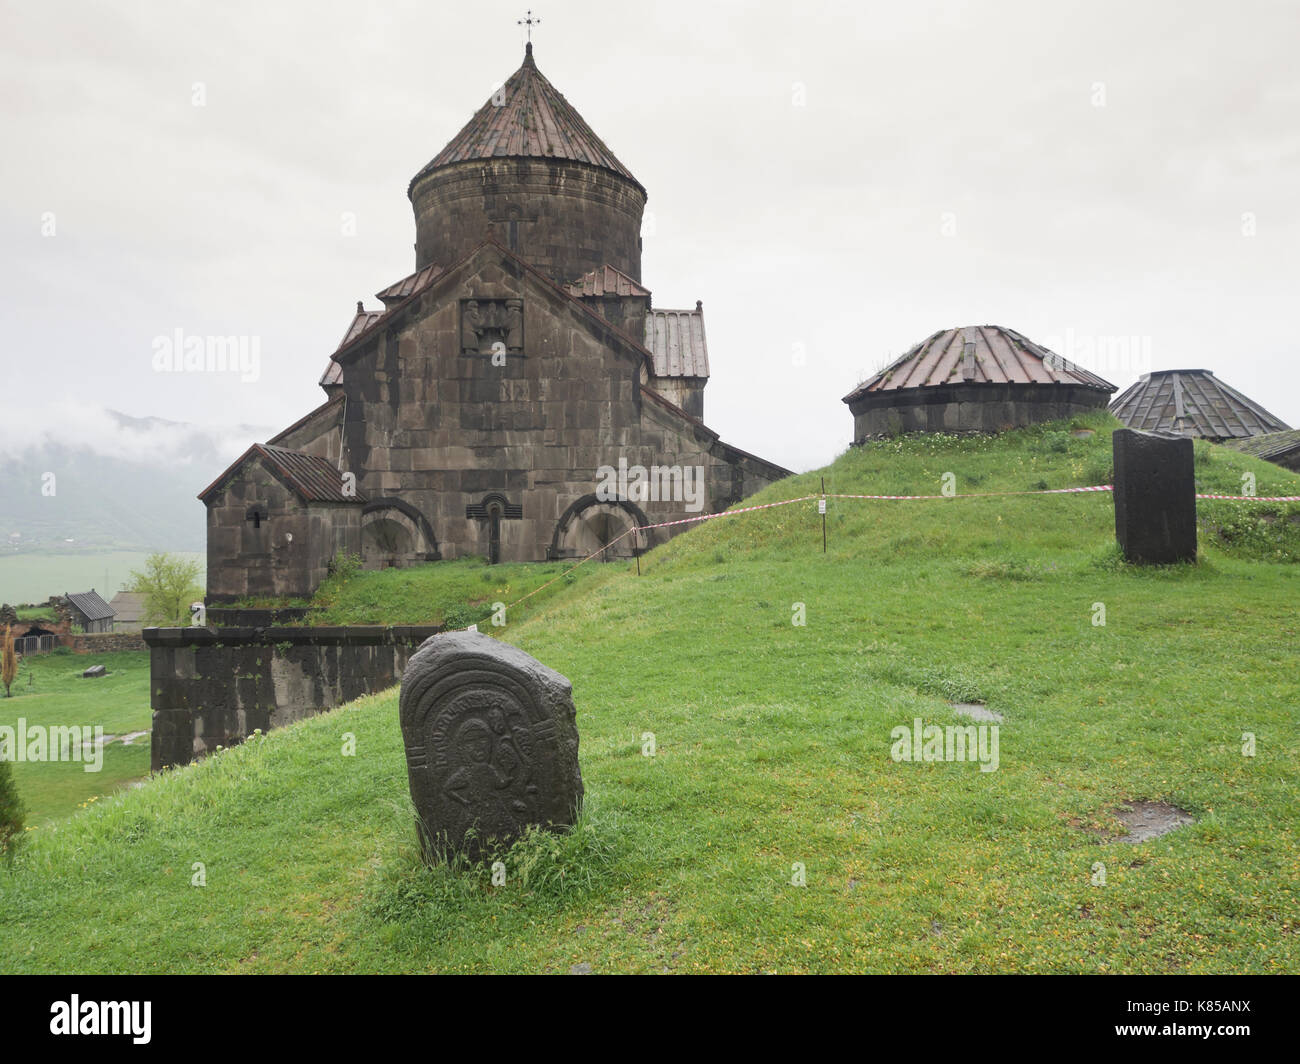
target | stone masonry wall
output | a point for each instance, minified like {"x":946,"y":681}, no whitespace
{"x":213,"y":687}
{"x":285,"y":554}
{"x":442,"y":429}
{"x":970,"y":408}
{"x":563,"y":217}
{"x":102,"y":643}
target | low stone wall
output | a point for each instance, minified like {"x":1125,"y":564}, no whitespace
{"x":250,"y":617}
{"x":213,"y":687}
{"x":102,"y":642}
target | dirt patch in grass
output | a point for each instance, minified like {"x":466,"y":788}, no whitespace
{"x":976,"y":711}
{"x":1150,"y":820}
{"x":1144,"y":820}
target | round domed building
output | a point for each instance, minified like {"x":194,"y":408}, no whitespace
{"x":982,"y":378}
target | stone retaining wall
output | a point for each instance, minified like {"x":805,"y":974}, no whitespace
{"x":213,"y":687}
{"x":102,"y":642}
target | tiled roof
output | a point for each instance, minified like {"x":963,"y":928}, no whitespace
{"x":606,"y":281}
{"x":531,"y":120}
{"x":977,"y":354}
{"x":408,"y":286}
{"x":676,"y":340}
{"x":1270,"y":446}
{"x":90,"y":605}
{"x":312,"y":478}
{"x":1192,"y":402}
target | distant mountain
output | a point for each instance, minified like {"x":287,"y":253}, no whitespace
{"x":118,"y":483}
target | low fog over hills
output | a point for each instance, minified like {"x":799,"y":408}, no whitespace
{"x":81,"y":478}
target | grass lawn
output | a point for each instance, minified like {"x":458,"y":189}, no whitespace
{"x":773,"y":750}
{"x":455,"y":593}
{"x":59,"y":695}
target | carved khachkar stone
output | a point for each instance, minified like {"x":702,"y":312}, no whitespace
{"x":491,"y":743}
{"x":1155,"y":498}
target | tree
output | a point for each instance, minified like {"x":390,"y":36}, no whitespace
{"x":11,"y":809}
{"x":169,"y":584}
{"x":8,"y":660}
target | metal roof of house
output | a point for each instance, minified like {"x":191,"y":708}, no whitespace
{"x":606,"y":281}
{"x":531,"y":120}
{"x":676,"y":340}
{"x":1195,"y":403}
{"x":361,"y":321}
{"x":408,"y":286}
{"x":128,"y":606}
{"x":977,"y":354}
{"x":90,"y":605}
{"x":333,"y":374}
{"x":312,"y":478}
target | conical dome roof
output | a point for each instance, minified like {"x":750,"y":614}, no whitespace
{"x":1192,"y":402}
{"x":975,"y":355}
{"x":528,"y":118}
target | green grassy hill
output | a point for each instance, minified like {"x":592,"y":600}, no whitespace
{"x":773,"y":750}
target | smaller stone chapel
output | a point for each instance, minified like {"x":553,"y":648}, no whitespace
{"x":478,"y":409}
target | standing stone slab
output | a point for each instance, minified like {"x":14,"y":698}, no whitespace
{"x":1155,"y":498}
{"x":491,"y":743}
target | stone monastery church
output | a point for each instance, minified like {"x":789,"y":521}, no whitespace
{"x":480,"y":408}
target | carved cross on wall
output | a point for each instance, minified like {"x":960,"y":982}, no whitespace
{"x":256,"y":513}
{"x":494,"y":509}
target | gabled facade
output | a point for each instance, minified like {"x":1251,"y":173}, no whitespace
{"x":518,"y":396}
{"x":88,"y":611}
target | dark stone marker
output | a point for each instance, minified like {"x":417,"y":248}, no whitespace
{"x":1155,"y":498}
{"x":491,"y":743}
{"x":96,"y":670}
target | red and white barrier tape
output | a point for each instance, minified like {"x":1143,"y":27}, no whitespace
{"x":725,"y":513}
{"x":892,"y":498}
{"x":1254,"y":498}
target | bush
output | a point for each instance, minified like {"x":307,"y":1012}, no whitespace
{"x":1054,"y":442}
{"x":11,"y":811}
{"x":460,"y":615}
{"x":344,"y":566}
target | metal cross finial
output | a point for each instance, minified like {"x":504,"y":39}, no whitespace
{"x":530,"y":22}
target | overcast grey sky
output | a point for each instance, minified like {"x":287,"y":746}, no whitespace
{"x":1117,"y":180}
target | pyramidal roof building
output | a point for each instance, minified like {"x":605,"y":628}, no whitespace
{"x":981,"y":378}
{"x":481,"y":406}
{"x":1195,"y":403}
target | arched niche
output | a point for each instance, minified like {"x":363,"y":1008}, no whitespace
{"x":394,"y":534}
{"x":592,"y":523}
